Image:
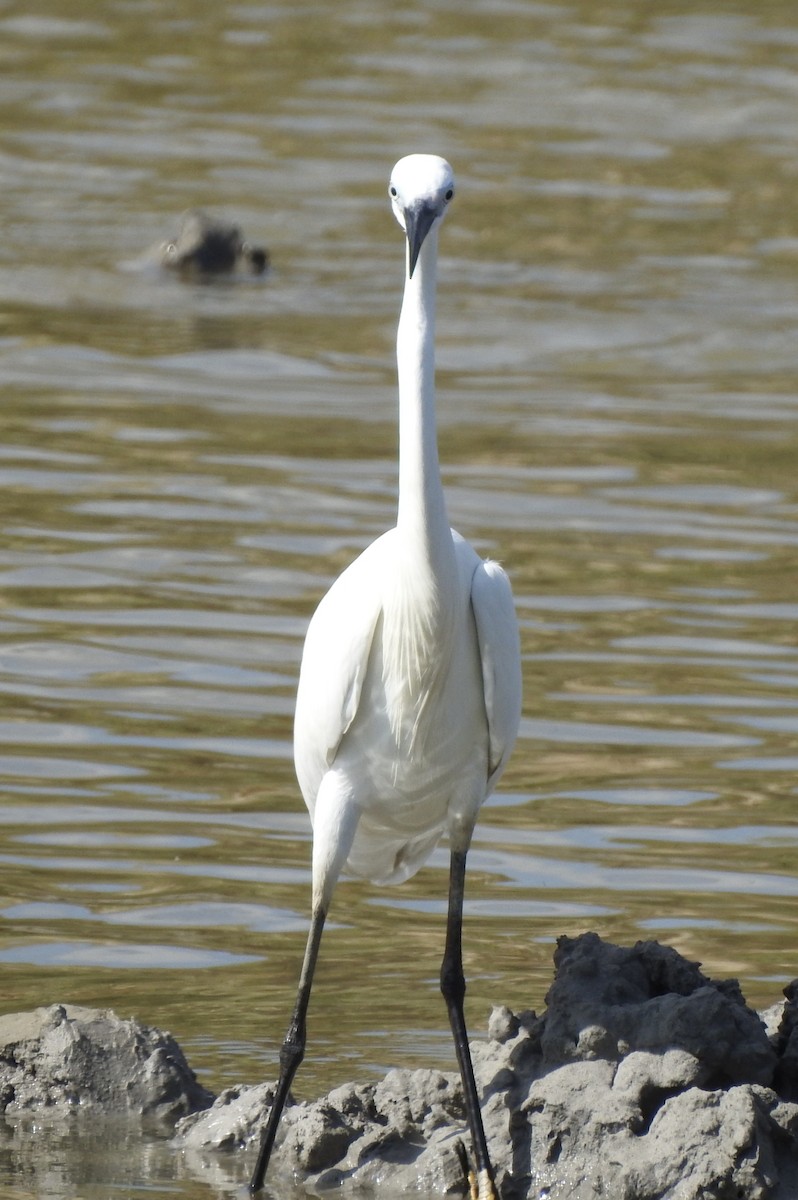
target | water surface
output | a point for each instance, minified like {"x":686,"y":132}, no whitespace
{"x":184,"y":469}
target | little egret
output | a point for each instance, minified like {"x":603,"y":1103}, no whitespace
{"x":410,"y":684}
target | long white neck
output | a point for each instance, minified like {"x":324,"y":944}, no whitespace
{"x":421,"y":521}
{"x":417,"y":606}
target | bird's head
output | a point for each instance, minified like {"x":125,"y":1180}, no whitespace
{"x":420,"y":189}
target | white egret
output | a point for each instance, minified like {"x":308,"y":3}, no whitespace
{"x":410,"y":685}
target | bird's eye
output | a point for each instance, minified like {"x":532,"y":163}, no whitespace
{"x":392,"y":191}
{"x":449,"y":195}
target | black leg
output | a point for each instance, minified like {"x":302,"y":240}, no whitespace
{"x":453,"y":988}
{"x":293,"y":1049}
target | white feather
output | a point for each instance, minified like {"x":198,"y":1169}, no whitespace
{"x":410,"y":685}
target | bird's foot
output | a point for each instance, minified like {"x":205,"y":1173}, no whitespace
{"x":480,"y":1185}
{"x":465,"y":1167}
{"x":485,"y":1187}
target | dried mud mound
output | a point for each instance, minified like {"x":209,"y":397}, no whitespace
{"x":67,"y":1059}
{"x":642,"y":1080}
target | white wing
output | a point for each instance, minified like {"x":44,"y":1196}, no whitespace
{"x":334,"y":662}
{"x":500,"y":652}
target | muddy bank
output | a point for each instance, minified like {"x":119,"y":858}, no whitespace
{"x":642,"y":1080}
{"x":66,"y":1058}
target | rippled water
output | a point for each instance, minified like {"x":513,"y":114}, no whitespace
{"x":184,"y":469}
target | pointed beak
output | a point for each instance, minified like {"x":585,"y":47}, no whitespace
{"x":418,"y":222}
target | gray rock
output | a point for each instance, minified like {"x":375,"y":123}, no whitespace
{"x":231,"y":1121}
{"x":608,"y":1000}
{"x":643,"y":1080}
{"x":787,"y":1045}
{"x":67,"y":1059}
{"x":771,"y":1018}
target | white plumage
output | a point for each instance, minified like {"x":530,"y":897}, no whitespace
{"x":408,"y":699}
{"x":410,"y":685}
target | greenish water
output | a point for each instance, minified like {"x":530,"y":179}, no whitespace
{"x":183,"y":470}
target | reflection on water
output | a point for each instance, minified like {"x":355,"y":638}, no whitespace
{"x":185,"y":469}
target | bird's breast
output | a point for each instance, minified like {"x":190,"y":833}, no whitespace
{"x":421,"y":631}
{"x":416,"y":758}
{"x":421,"y":716}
